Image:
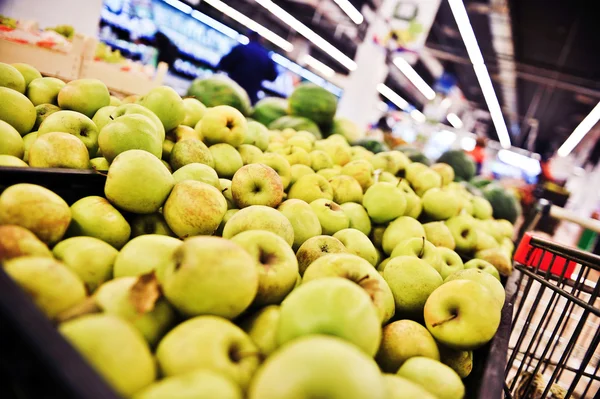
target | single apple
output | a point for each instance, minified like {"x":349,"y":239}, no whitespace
{"x":361,"y":170}
{"x":44,"y":90}
{"x":198,"y":172}
{"x":73,"y":123}
{"x":261,"y":327}
{"x":419,"y":248}
{"x":445,"y":171}
{"x":437,"y":378}
{"x":256,"y":184}
{"x":42,"y":112}
{"x":295,"y":155}
{"x":153,"y":223}
{"x":249,"y":153}
{"x":464,"y":233}
{"x":310,"y":188}
{"x":390,"y":161}
{"x":401,"y":388}
{"x":260,"y":217}
{"x":316,"y":247}
{"x":194,"y":111}
{"x":412,"y":170}
{"x":28,"y":139}
{"x":115,"y":101}
{"x":330,"y":172}
{"x":190,"y":151}
{"x":11,"y":78}
{"x":102,"y":117}
{"x":385,"y":177}
{"x":145,"y":254}
{"x":484,"y":241}
{"x":11,"y":142}
{"x":183,"y":132}
{"x":482,"y":209}
{"x":346,"y":189}
{"x":358,"y":244}
{"x":359,"y":218}
{"x":498,"y":258}
{"x":303,"y":142}
{"x":320,"y":160}
{"x":84,"y":95}
{"x":399,"y":230}
{"x":257,"y":135}
{"x":331,"y":216}
{"x":414,"y":205}
{"x":12,"y":161}
{"x":439,"y":235}
{"x":16,"y":241}
{"x":226,"y":191}
{"x":440,"y":204}
{"x":224,"y":124}
{"x":451,"y":261}
{"x":199,"y":384}
{"x":227,"y":159}
{"x":425,"y":181}
{"x":17,"y":110}
{"x":280,"y":165}
{"x":127,"y":109}
{"x":459,"y":361}
{"x":299,"y":170}
{"x":29,"y":72}
{"x":483,"y":278}
{"x":166,"y":104}
{"x":384,"y":202}
{"x":129,"y":132}
{"x":303,"y":219}
{"x":484,"y":266}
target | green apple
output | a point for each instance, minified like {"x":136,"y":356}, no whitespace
{"x":42,"y":112}
{"x":359,"y":218}
{"x":439,"y":235}
{"x":127,"y":109}
{"x":137,"y":300}
{"x":459,"y":361}
{"x":257,"y":135}
{"x":260,"y":217}
{"x":16,"y":241}
{"x":190,"y":151}
{"x":11,"y":78}
{"x":28,"y":139}
{"x":358,"y":271}
{"x":401,"y":388}
{"x":144,"y":254}
{"x":361,"y":170}
{"x":331,"y":216}
{"x":273,"y":147}
{"x":73,"y":123}
{"x":320,"y":160}
{"x":390,"y":161}
{"x":224,"y":124}
{"x":346,"y":189}
{"x":358,"y":244}
{"x":129,"y":132}
{"x":138,"y":182}
{"x":376,"y":235}
{"x":412,"y":170}
{"x":333,"y":306}
{"x":17,"y":110}
{"x":505,"y":227}
{"x":419,"y":248}
{"x":402,"y":340}
{"x":299,"y":170}
{"x":209,"y":343}
{"x":483,"y":278}
{"x":498,"y":258}
{"x":194,"y":208}
{"x":482,"y":209}
{"x":166,"y":104}
{"x":310,"y":188}
{"x":445,"y":171}
{"x":114,"y":348}
{"x":276,"y":263}
{"x":249,"y":153}
{"x":153,"y":223}
{"x":183,"y":132}
{"x":464,"y":233}
{"x":52,"y":286}
{"x":425,"y":181}
{"x":199,"y":384}
{"x":102,"y":117}
{"x":359,"y":152}
{"x":451,"y":261}
{"x":329,"y":173}
{"x":256,"y":184}
{"x":115,"y":101}
{"x":228,"y":215}
{"x":316,"y":247}
{"x":385,"y":177}
{"x":295,"y":155}
{"x":331,"y":369}
{"x":440,"y":204}
{"x":384,"y":202}
{"x":303,"y":219}
{"x":198,"y":172}
{"x":399,"y":230}
{"x":29,"y":73}
{"x":84,"y":95}
{"x":227,"y":159}
{"x":261,"y":326}
{"x":414,"y":205}
{"x":303,"y":142}
{"x":12,"y":161}
{"x":462,"y":314}
{"x":226,"y":191}
{"x":437,"y":378}
{"x":484,"y":266}
{"x":44,"y":90}
{"x":194,"y":111}
{"x":411,"y":280}
{"x":508,"y":246}
{"x":37,"y":209}
{"x":11,"y":142}
{"x":90,"y":258}
{"x":484,"y":241}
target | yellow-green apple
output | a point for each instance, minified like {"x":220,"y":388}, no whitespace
{"x":483,"y":278}
{"x":194,"y":208}
{"x":11,"y":78}
{"x":384,"y":202}
{"x":316,"y":247}
{"x":194,"y":111}
{"x":281,"y":166}
{"x":420,"y":248}
{"x":508,"y":246}
{"x":505,"y":227}
{"x":115,"y":101}
{"x":361,"y":170}
{"x":130,"y":99}
{"x":451,"y":261}
{"x":228,"y":215}
{"x":44,"y":90}
{"x":214,"y":344}
{"x":256,"y":184}
{"x":303,"y":219}
{"x":114,"y":348}
{"x":331,"y":216}
{"x":399,"y":230}
{"x":411,"y":280}
{"x":227,"y":159}
{"x":376,"y":235}
{"x":90,"y":258}
{"x":17,"y":110}
{"x":257,"y":135}
{"x":402,"y":340}
{"x":401,"y":388}
{"x":346,"y":189}
{"x":482,"y":209}
{"x":138,"y":182}
{"x":358,"y":244}
{"x":329,"y":173}
{"x":484,"y":241}
{"x":484,"y":266}
{"x":166,"y":104}
{"x":199,"y":384}
{"x":73,"y":123}
{"x":167,"y":148}
{"x":95,"y":217}
{"x":425,"y":181}
{"x":307,"y":135}
{"x":332,"y":306}
{"x":199,"y":172}
{"x":276,"y":263}
{"x":359,"y":152}
{"x":52,"y":286}
{"x":126,"y":109}
{"x":190,"y":151}
{"x":183,"y":132}
{"x":260,"y":217}
{"x":84,"y":95}
{"x":358,"y":271}
{"x":249,"y":153}
{"x":295,"y":155}
{"x":273,"y":147}
{"x":224,"y":124}
{"x":435,"y":377}
{"x":463,"y":231}
{"x":129,"y":132}
{"x":459,"y":361}
{"x":412,"y":170}
{"x":414,"y":205}
{"x":153,"y":223}
{"x":359,"y":218}
{"x":11,"y":142}
{"x":340,"y":153}
{"x":37,"y":209}
{"x":28,"y":139}
{"x":390,"y":161}
{"x":498,"y":258}
{"x":299,"y":170}
{"x":445,"y":171}
{"x":385,"y":177}
{"x":261,"y":327}
{"x":226,"y":191}
{"x":102,"y":117}
{"x":320,"y":160}
{"x":310,"y":188}
{"x":29,"y":73}
{"x":462,"y":314}
{"x":302,"y":142}
{"x":439,"y":235}
{"x":440,"y":204}
{"x":12,"y":161}
{"x":145,"y":254}
{"x":16,"y":241}
{"x":42,"y":112}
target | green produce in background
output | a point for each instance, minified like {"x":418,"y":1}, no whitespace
{"x":269,"y":109}
{"x":505,"y":205}
{"x":463,"y":165}
{"x":219,"y":90}
{"x":313,"y":102}
{"x":297,"y":123}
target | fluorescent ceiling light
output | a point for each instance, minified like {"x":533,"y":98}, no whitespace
{"x":454,"y":120}
{"x":530,"y":165}
{"x":392,"y":96}
{"x":414,"y":77}
{"x":468,"y":143}
{"x":383,"y":107}
{"x":179,"y":5}
{"x":418,"y":115}
{"x":307,"y":33}
{"x":580,"y":131}
{"x":216,"y":25}
{"x":351,"y":11}
{"x":318,"y":66}
{"x":446,"y":102}
{"x":468,"y":36}
{"x":251,"y":24}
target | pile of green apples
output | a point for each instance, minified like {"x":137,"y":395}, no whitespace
{"x":229,"y":261}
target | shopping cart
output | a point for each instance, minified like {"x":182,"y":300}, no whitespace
{"x":553,"y":348}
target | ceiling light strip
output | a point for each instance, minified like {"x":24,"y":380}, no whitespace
{"x":350,"y":11}
{"x":318,"y":66}
{"x":580,"y":131}
{"x":454,"y":120}
{"x":414,"y":77}
{"x":392,"y":96}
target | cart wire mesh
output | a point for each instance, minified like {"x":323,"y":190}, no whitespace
{"x":553,"y":348}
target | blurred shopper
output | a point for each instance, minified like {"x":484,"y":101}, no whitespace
{"x":167,"y":51}
{"x":478,"y":153}
{"x":249,"y":65}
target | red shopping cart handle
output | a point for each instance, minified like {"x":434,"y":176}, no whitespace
{"x":530,"y":256}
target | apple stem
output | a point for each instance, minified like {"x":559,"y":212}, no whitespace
{"x":439,"y":323}
{"x":422,"y":248}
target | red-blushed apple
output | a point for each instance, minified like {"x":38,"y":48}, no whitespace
{"x":256,"y":184}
